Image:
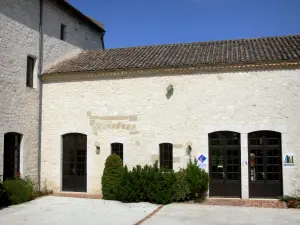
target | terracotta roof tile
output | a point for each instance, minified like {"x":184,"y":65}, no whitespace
{"x":268,"y":49}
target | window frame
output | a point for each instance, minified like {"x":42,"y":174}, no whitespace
{"x":166,"y":158}
{"x":118,"y":149}
{"x":30,"y":70}
{"x":63,"y":32}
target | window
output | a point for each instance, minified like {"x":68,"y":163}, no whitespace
{"x":117,"y":148}
{"x":166,"y":155}
{"x":30,"y":69}
{"x":62,"y":32}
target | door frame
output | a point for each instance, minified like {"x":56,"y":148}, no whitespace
{"x":62,"y":161}
{"x":225,"y":149}
{"x":264,"y":161}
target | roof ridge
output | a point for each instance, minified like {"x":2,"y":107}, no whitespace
{"x":199,"y":42}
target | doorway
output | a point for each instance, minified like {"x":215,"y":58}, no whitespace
{"x":11,"y":165}
{"x":74,"y":162}
{"x":225,"y":164}
{"x":265,"y":164}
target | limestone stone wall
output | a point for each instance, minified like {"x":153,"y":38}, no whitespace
{"x":19,"y":37}
{"x":137,"y":113}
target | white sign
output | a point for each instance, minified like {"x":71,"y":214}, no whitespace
{"x":289,"y":160}
{"x":202,"y":161}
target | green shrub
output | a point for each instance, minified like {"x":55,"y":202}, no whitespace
{"x":19,"y":190}
{"x":161,"y":189}
{"x":112,"y":177}
{"x":291,"y":201}
{"x":198,"y":181}
{"x":181,"y":190}
{"x":3,"y":196}
{"x":147,"y":184}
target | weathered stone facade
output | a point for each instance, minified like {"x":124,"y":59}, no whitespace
{"x":19,"y":37}
{"x":136,"y":112}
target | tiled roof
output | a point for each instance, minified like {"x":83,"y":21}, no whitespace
{"x":243,"y":51}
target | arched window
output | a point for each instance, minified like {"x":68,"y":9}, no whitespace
{"x":166,"y":155}
{"x":117,"y":148}
{"x":12,"y":142}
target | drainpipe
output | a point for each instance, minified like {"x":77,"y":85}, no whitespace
{"x":40,"y":69}
{"x":102,"y":39}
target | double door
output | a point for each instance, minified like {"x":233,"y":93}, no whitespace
{"x":225,"y":164}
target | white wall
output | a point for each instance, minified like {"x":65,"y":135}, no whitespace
{"x":241,"y":102}
{"x":19,"y":37}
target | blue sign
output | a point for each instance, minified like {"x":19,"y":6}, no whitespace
{"x":202,"y":158}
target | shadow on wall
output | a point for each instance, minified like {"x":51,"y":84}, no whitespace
{"x":26,"y":12}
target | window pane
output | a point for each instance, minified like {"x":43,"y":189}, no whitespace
{"x":166,"y":155}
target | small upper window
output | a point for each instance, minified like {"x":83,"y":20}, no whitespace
{"x":117,"y":148}
{"x":166,"y":155}
{"x":62,"y":32}
{"x":29,"y":72}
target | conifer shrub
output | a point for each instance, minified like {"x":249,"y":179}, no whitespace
{"x":112,"y":177}
{"x":198,"y":180}
{"x":181,"y":190}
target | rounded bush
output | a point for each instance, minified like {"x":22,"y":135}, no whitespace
{"x":19,"y":190}
{"x":112,"y":177}
{"x":181,"y":190}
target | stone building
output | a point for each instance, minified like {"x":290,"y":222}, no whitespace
{"x":66,"y":104}
{"x":234,"y":102}
{"x":34,"y":34}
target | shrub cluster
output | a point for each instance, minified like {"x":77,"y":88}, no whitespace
{"x":19,"y":190}
{"x":152,"y":184}
{"x":291,"y":201}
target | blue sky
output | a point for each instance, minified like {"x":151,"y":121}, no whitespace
{"x":150,"y":22}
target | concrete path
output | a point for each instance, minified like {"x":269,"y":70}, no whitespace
{"x":71,"y":211}
{"x":53,"y":210}
{"x":191,"y":214}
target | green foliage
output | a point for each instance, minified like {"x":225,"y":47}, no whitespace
{"x":3,"y":196}
{"x":112,"y":176}
{"x":181,"y":190}
{"x":198,"y":181}
{"x":291,"y":201}
{"x":161,"y":186}
{"x":19,"y":190}
{"x":147,"y":184}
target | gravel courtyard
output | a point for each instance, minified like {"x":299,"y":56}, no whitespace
{"x":62,"y":210}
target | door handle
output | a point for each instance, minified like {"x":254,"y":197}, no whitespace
{"x":223,"y":173}
{"x":73,"y":171}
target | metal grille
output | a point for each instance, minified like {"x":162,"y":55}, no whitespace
{"x":117,"y":148}
{"x":166,"y":155}
{"x":12,"y":142}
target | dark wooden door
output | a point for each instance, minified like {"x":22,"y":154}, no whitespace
{"x":225,"y":164}
{"x":265,"y":164}
{"x":74,"y":162}
{"x":11,"y":167}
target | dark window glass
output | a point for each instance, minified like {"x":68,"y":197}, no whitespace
{"x":166,"y":155}
{"x":29,"y":72}
{"x":62,"y":32}
{"x":117,"y":148}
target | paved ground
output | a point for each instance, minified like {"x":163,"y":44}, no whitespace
{"x":53,"y":210}
{"x":66,"y":211}
{"x":220,"y":215}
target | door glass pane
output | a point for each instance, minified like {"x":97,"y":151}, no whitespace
{"x":217,"y":164}
{"x":256,"y":164}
